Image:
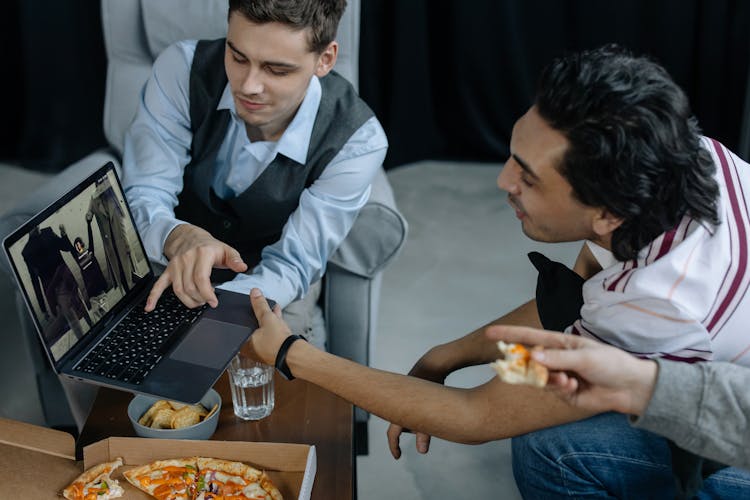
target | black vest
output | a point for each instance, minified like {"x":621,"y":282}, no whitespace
{"x":254,"y":218}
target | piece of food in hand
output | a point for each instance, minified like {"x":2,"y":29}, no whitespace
{"x":174,"y":479}
{"x":517,"y":367}
{"x":225,"y":479}
{"x":96,"y":483}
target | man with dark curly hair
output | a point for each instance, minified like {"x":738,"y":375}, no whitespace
{"x":608,"y":154}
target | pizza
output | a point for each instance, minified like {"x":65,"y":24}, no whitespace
{"x":517,"y":367}
{"x":235,"y":480}
{"x":172,"y":479}
{"x":199,"y":478}
{"x":95,"y":483}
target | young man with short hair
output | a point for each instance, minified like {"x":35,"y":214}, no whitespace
{"x":250,"y":154}
{"x":609,"y":153}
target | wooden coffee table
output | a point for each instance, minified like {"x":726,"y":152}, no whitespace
{"x":304,"y":413}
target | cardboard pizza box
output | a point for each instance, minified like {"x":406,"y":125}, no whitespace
{"x":291,"y":467}
{"x":39,"y":462}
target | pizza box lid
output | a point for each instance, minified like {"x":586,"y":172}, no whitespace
{"x":37,"y":462}
{"x":291,"y":467}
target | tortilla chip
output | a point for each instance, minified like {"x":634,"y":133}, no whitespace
{"x":213,"y":410}
{"x":148,"y":417}
{"x":185,"y":417}
{"x":163,"y":419}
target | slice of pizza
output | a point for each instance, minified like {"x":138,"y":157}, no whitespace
{"x":172,"y":479}
{"x":517,"y":367}
{"x":96,"y":483}
{"x":225,"y":479}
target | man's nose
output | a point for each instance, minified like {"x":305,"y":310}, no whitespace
{"x":506,"y":180}
{"x":253,"y":83}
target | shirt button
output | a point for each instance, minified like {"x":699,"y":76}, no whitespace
{"x":227,"y":224}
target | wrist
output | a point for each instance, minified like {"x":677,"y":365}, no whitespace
{"x":183,"y":237}
{"x":642,"y":387}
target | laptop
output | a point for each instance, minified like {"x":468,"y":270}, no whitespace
{"x":84,"y":275}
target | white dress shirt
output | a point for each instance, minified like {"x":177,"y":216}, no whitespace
{"x":157,"y":149}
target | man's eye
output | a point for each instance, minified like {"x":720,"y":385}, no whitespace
{"x":278,"y":72}
{"x":238,"y":59}
{"x":526,"y":181}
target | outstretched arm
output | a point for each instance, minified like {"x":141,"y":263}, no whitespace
{"x":491,"y":411}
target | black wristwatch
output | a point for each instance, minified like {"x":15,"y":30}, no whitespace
{"x":280,"y":363}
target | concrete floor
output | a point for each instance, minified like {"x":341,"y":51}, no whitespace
{"x":463,"y":265}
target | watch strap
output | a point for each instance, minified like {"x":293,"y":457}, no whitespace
{"x":280,"y":363}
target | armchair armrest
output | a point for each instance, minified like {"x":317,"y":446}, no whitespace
{"x":377,"y":235}
{"x":352,"y":288}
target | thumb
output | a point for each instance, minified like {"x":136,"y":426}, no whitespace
{"x":233,"y":260}
{"x":260,"y":305}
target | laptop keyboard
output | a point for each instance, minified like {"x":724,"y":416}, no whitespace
{"x":138,"y":342}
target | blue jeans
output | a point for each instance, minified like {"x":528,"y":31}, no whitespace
{"x":605,"y":457}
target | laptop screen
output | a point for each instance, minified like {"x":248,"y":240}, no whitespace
{"x":77,"y":260}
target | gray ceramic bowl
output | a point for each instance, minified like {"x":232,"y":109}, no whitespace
{"x":201,"y":430}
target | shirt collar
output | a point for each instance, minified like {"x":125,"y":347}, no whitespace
{"x":295,"y":141}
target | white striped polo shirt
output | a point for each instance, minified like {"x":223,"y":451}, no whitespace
{"x":685,"y":296}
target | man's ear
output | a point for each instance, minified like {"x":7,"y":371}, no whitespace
{"x":605,"y":222}
{"x":327,"y":59}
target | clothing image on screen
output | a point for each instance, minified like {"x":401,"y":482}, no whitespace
{"x":91,"y":271}
{"x":110,"y":218}
{"x":55,"y":287}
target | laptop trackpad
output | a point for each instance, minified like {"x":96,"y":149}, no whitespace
{"x":209,"y":342}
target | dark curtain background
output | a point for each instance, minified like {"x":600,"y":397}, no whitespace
{"x":53,"y":89}
{"x":448,"y":78}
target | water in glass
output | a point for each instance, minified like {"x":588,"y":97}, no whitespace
{"x":252,"y":389}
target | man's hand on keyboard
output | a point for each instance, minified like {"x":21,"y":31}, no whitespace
{"x":192,"y":254}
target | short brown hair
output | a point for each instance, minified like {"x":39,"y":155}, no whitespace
{"x":321,"y":16}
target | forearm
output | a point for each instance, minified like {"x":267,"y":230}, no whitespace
{"x":492,"y":411}
{"x":702,"y":408}
{"x":474,"y":348}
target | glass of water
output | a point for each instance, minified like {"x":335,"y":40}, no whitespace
{"x":252,"y":388}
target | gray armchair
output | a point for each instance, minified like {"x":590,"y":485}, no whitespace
{"x":135,"y":32}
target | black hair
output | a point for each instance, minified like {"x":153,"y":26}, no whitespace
{"x":633,"y":144}
{"x":321,"y":16}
